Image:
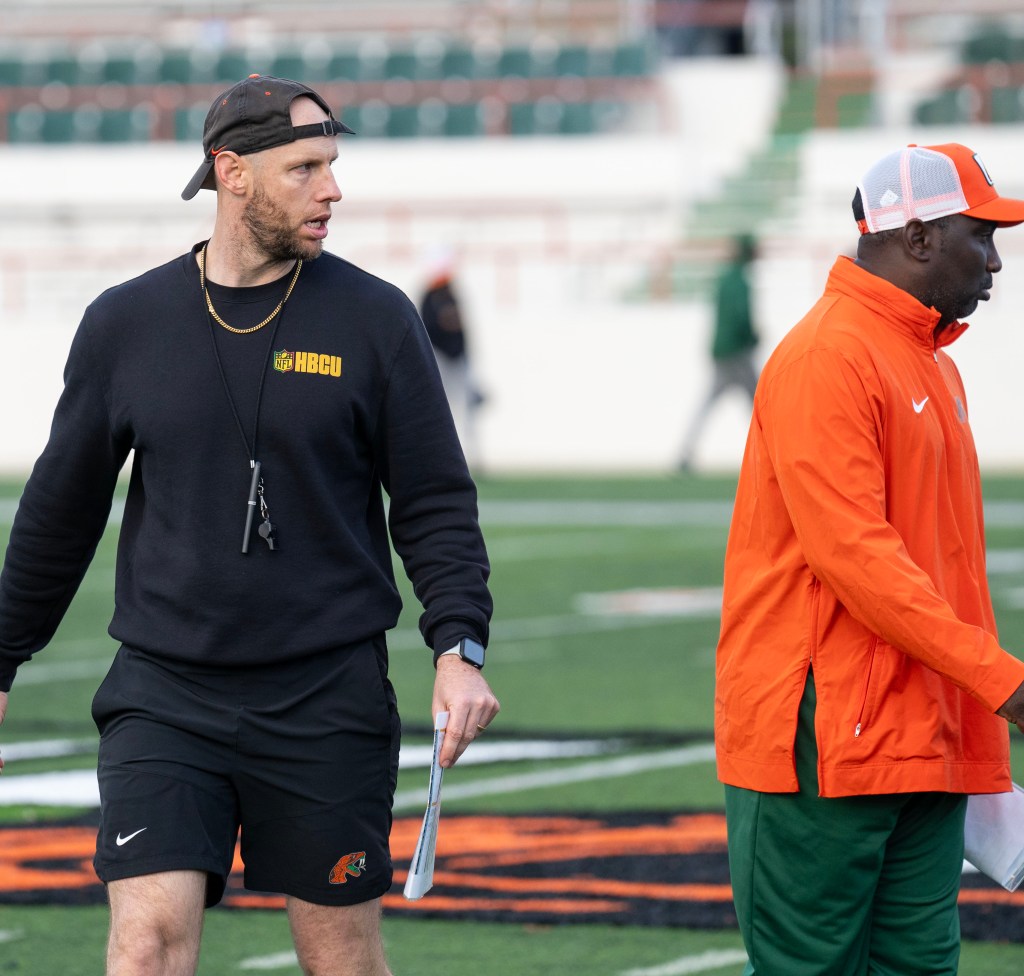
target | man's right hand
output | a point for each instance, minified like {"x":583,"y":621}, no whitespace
{"x":1013,"y":708}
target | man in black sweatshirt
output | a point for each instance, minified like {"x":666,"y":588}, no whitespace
{"x":271,"y":395}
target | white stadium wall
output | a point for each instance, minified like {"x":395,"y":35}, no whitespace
{"x":587,"y":366}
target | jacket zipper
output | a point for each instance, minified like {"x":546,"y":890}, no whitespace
{"x":815,"y":601}
{"x":867,"y":688}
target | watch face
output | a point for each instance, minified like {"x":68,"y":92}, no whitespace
{"x":472,"y":651}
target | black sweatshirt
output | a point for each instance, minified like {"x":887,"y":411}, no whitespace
{"x":351,"y":403}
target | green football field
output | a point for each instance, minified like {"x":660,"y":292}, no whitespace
{"x":602,"y":653}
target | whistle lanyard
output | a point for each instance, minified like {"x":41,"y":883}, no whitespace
{"x":257,"y":493}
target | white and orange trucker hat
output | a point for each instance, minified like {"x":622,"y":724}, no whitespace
{"x":929,"y":182}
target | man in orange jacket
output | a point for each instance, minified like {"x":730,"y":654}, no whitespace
{"x":861,"y":690}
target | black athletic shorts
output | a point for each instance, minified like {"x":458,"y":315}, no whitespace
{"x":301,"y":758}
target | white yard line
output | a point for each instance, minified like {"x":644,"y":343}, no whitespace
{"x":41,"y":671}
{"x":697,"y":512}
{"x":676,"y":602}
{"x":74,"y":788}
{"x":79,"y":788}
{"x":568,"y":512}
{"x":411,"y":757}
{"x":605,"y":513}
{"x":278,"y":960}
{"x":11,"y":935}
{"x":8,"y":506}
{"x":584,"y":772}
{"x":550,"y":546}
{"x":44,"y":673}
{"x":553,"y":512}
{"x":706,"y":962}
{"x":47,"y":748}
{"x":539,"y":628}
{"x":483,"y":753}
{"x":1007,"y":514}
{"x":1005,"y":562}
{"x":539,"y":512}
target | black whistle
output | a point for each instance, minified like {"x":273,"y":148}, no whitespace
{"x":251,"y":505}
{"x":266,"y":532}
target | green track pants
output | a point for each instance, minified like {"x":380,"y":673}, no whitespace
{"x":852,"y":886}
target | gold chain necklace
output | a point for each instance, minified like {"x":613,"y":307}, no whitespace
{"x":219,"y":320}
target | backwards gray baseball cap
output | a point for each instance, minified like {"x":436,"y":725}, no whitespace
{"x":252,"y":116}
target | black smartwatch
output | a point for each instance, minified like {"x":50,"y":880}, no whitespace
{"x":471,"y":651}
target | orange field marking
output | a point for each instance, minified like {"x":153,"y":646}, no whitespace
{"x":485,"y":864}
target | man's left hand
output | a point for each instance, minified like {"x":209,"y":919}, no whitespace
{"x":461,"y":691}
{"x":1013,"y":708}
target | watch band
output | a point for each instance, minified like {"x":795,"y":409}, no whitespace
{"x":471,"y":651}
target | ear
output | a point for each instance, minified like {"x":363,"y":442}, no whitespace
{"x":919,"y":239}
{"x":232,"y":172}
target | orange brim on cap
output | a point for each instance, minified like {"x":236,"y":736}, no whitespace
{"x":1002,"y":211}
{"x":984,"y":203}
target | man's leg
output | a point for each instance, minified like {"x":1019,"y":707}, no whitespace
{"x":335,"y":940}
{"x":156,"y":921}
{"x":804,"y":869}
{"x":803,"y":881}
{"x":915,"y":928}
{"x":719,"y":385}
{"x":747,"y":374}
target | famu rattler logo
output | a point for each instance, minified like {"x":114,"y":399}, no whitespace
{"x":348,"y":866}
{"x":320,"y":363}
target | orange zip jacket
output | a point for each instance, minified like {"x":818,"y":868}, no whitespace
{"x":857,"y":548}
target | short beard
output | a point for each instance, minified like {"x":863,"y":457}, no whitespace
{"x":267,"y":225}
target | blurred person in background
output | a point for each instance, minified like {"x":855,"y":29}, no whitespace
{"x":271,"y":393}
{"x":446,"y":328}
{"x":861,"y":691}
{"x":734,"y":339}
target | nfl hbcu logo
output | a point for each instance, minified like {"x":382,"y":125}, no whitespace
{"x":297,"y":361}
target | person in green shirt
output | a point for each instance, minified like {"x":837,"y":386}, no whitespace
{"x":732,"y":345}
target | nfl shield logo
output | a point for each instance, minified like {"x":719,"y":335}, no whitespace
{"x":284,"y":361}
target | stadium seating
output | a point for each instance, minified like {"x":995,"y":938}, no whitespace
{"x":58,"y":93}
{"x":188,"y":123}
{"x":177,"y":67}
{"x":992,"y":43}
{"x":946,"y":108}
{"x":87,"y":123}
{"x":987,"y":87}
{"x":1007,"y":104}
{"x":458,"y":61}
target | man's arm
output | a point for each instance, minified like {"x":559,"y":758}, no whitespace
{"x":831,"y":471}
{"x":433,"y":515}
{"x":62,"y":512}
{"x":435,"y":530}
{"x":3,"y":712}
